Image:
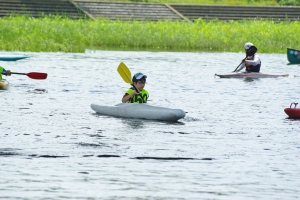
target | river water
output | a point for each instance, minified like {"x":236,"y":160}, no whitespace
{"x":235,"y":142}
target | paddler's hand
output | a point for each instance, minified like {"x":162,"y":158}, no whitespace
{"x":8,"y":73}
{"x":136,"y":93}
{"x":244,"y":60}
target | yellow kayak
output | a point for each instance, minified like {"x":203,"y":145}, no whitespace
{"x":4,"y":84}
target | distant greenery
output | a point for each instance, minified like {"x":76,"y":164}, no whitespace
{"x":227,"y":2}
{"x":220,"y":2}
{"x":60,"y":34}
{"x":289,"y":2}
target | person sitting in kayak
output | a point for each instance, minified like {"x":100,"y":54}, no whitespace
{"x":4,"y":72}
{"x":252,"y":61}
{"x":137,"y":93}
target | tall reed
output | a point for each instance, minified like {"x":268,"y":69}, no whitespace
{"x":221,"y":2}
{"x":67,"y":35}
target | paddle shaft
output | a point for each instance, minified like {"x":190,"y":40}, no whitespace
{"x":18,"y":73}
{"x":239,"y":64}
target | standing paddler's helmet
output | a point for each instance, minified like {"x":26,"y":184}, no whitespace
{"x":248,"y":45}
{"x":250,"y":49}
{"x":139,"y":76}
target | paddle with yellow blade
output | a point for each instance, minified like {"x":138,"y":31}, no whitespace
{"x":126,"y":75}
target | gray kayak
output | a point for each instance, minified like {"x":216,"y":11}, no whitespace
{"x":140,"y":111}
{"x":250,"y":75}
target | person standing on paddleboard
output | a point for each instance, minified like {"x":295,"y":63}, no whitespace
{"x":251,"y":61}
{"x":137,"y":94}
{"x":4,"y":72}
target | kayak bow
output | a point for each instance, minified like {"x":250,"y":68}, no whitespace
{"x":12,"y":57}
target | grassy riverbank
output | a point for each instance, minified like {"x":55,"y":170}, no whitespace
{"x":220,"y":2}
{"x":66,"y":35}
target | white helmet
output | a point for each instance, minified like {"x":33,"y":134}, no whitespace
{"x":248,"y":45}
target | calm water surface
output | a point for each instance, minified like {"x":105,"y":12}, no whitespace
{"x":235,"y":142}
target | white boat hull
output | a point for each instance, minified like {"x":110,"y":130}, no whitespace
{"x":140,"y":111}
{"x":250,"y":75}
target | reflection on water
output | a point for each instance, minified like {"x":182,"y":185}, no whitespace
{"x":38,"y":91}
{"x":134,"y":123}
{"x":235,"y":142}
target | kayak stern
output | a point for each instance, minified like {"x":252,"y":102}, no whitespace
{"x":293,"y":113}
{"x":4,"y":84}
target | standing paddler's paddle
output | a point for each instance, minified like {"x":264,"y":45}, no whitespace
{"x":250,"y":52}
{"x":239,"y":64}
{"x":126,"y":75}
{"x":33,"y":75}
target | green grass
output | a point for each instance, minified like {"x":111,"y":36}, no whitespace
{"x":61,"y":34}
{"x":218,"y":2}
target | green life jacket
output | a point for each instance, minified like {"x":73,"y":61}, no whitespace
{"x":1,"y":70}
{"x":138,"y":98}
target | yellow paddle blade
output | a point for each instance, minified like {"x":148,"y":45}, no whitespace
{"x":125,"y":73}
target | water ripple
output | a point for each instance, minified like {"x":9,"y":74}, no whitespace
{"x":234,"y":143}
